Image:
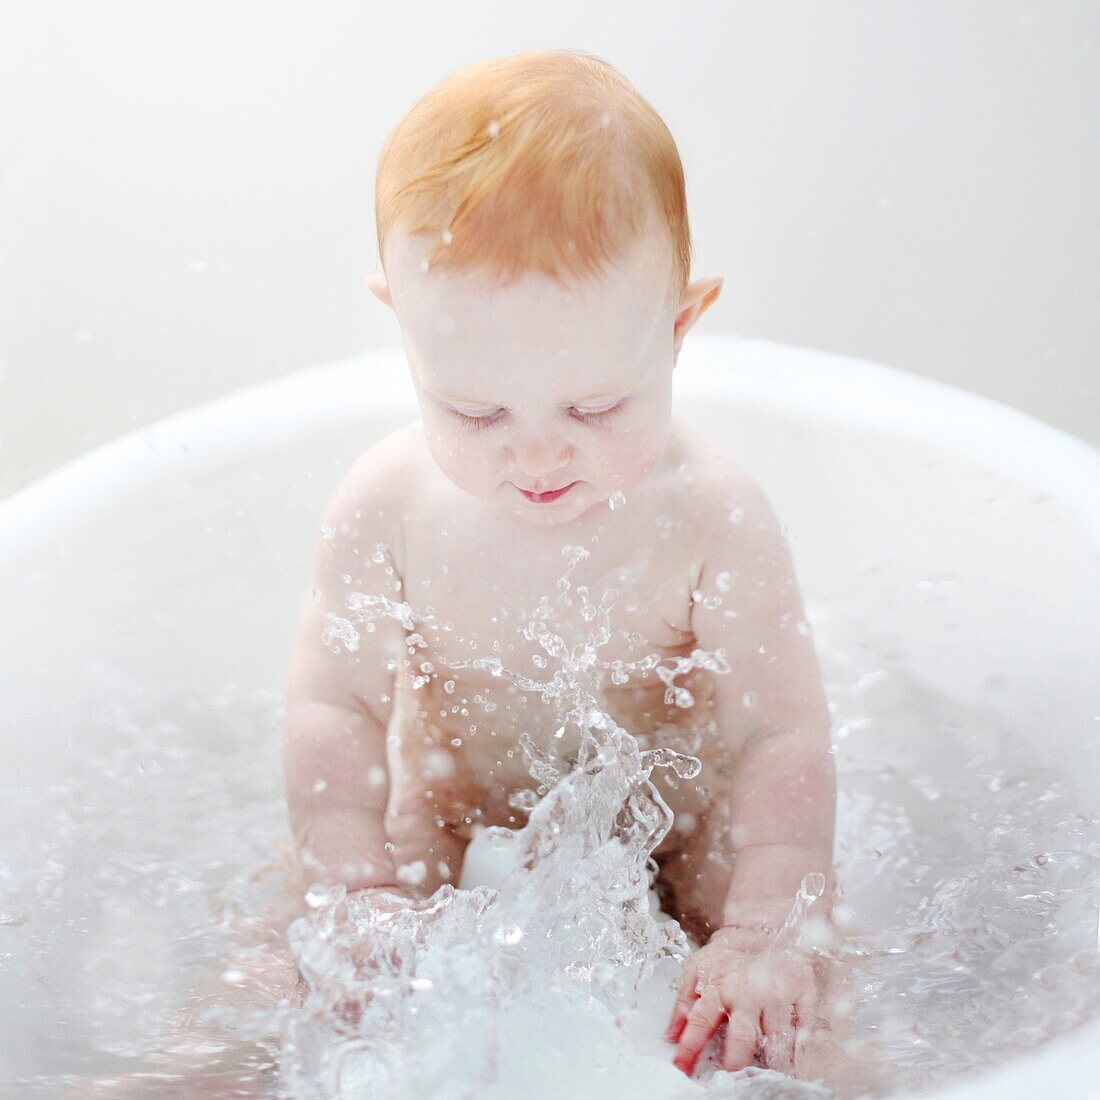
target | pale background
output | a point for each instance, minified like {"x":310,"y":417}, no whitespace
{"x":186,"y":189}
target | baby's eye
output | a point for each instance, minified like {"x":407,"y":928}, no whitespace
{"x":475,"y":423}
{"x":596,"y":415}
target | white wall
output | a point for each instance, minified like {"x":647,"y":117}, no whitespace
{"x":186,"y":188}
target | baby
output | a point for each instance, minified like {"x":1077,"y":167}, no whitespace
{"x":535,"y":248}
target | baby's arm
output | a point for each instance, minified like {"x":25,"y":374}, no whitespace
{"x":338,"y":704}
{"x":777,"y":811}
{"x":772,"y":705}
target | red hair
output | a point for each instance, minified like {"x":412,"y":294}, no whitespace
{"x":547,"y":161}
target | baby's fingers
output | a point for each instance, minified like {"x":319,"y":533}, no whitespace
{"x":684,"y":1000}
{"x":702,"y":1022}
{"x":742,"y":1037}
{"x":806,"y":1009}
{"x":779,"y":1034}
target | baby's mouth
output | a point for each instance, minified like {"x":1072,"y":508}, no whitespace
{"x":547,"y":497}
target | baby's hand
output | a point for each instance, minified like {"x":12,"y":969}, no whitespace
{"x":767,"y":991}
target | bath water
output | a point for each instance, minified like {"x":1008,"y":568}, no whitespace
{"x":156,"y":859}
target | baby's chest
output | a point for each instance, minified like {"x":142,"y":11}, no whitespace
{"x":481,"y":607}
{"x":466,"y":740}
{"x":498,"y":625}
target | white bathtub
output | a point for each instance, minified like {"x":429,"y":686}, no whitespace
{"x":180,"y":553}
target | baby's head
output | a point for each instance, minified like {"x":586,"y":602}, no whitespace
{"x":532,"y":227}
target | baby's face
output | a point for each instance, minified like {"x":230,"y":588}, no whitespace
{"x":545,"y":401}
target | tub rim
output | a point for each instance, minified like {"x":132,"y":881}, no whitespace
{"x":853,"y":392}
{"x":878,"y":397}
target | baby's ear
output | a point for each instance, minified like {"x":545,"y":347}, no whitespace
{"x":380,"y":288}
{"x":698,"y":297}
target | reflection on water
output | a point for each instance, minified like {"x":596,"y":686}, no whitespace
{"x":153,"y":860}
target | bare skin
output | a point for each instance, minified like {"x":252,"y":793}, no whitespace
{"x":523,"y":390}
{"x":534,"y":388}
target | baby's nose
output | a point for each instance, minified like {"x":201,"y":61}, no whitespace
{"x":538,"y":457}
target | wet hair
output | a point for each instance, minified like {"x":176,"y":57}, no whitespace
{"x":545,"y":161}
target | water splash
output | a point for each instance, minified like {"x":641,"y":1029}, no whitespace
{"x":961,"y":851}
{"x":956,"y":844}
{"x":572,"y":922}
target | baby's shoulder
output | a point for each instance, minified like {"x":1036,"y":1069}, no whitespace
{"x":712,"y":489}
{"x":388,"y":466}
{"x":374,"y":491}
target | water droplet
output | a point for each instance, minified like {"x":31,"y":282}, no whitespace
{"x":525,"y":800}
{"x":679,"y":696}
{"x":447,"y":236}
{"x":493,"y":129}
{"x":438,"y":764}
{"x":722,"y":582}
{"x":736,"y":515}
{"x":320,"y":787}
{"x":412,"y":874}
{"x":317,"y":897}
{"x":686,"y":767}
{"x":339,"y":632}
{"x":616,"y":500}
{"x":508,"y":935}
{"x":748,"y":699}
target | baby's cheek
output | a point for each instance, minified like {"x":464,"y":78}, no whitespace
{"x":470,"y":466}
{"x":627,"y":457}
